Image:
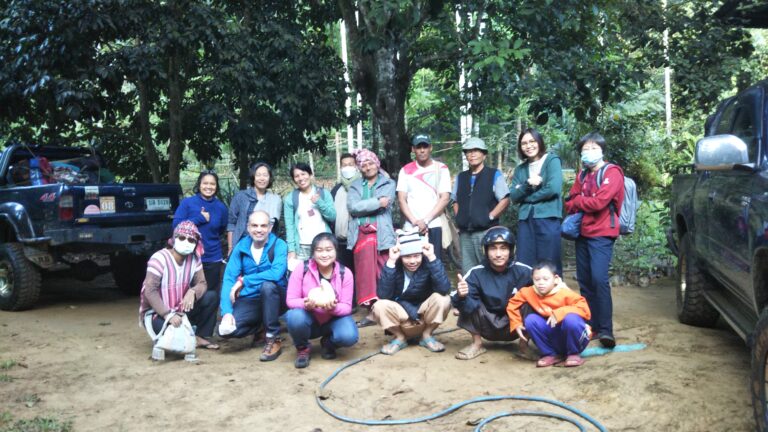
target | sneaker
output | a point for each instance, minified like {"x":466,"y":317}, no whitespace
{"x":329,"y":349}
{"x":607,"y":340}
{"x":303,"y":354}
{"x":272,"y":349}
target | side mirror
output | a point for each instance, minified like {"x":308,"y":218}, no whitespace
{"x":720,"y":152}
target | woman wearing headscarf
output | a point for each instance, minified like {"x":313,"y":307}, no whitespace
{"x":371,"y":233}
{"x":175,"y":286}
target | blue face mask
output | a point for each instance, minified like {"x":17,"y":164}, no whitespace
{"x":590,"y":158}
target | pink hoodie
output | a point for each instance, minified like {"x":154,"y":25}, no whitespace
{"x":301,"y":283}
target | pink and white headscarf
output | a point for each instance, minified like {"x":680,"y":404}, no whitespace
{"x":189,"y":229}
{"x":363,"y":155}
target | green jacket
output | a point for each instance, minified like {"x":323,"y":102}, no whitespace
{"x":544,"y":200}
{"x":324,"y":205}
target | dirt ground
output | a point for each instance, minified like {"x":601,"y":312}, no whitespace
{"x":80,"y":356}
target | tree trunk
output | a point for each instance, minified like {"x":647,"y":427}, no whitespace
{"x":150,"y":152}
{"x":175,"y":95}
{"x":391,"y":87}
{"x":243,"y":166}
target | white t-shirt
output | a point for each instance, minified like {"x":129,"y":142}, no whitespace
{"x":310,"y":220}
{"x":534,"y":168}
{"x":423,"y":186}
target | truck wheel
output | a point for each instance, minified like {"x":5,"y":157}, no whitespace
{"x":129,"y":271}
{"x":19,"y":279}
{"x":692,"y":307}
{"x":757,"y":377}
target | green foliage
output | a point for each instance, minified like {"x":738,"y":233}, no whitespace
{"x":644,"y":253}
{"x":7,"y":364}
{"x":37,"y":424}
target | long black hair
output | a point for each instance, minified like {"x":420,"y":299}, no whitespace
{"x":212,"y":173}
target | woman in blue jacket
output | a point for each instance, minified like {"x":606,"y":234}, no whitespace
{"x":209,"y":214}
{"x":537,"y":187}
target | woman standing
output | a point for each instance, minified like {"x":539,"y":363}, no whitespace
{"x":308,"y":210}
{"x":209,"y":214}
{"x":257,"y":197}
{"x":536,"y":186}
{"x":175,"y":286}
{"x":332,"y":321}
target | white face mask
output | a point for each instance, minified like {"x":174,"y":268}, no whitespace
{"x":348,"y":172}
{"x":590,"y":158}
{"x":183,"y":247}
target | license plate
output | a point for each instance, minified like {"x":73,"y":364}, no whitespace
{"x":155,"y":204}
{"x":107,"y":204}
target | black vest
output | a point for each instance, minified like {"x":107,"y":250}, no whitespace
{"x":476,"y":203}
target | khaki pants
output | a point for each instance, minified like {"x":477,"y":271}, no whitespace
{"x":389,"y":314}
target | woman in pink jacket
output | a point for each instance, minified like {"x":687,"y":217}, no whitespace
{"x":331,"y":321}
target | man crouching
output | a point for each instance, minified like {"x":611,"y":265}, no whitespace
{"x":413,"y":294}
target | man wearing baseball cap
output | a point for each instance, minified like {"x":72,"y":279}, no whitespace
{"x":423,"y":192}
{"x":413,"y":294}
{"x":480,"y":195}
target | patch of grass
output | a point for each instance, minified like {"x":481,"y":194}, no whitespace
{"x":29,"y":400}
{"x":5,"y":378}
{"x":7,"y":364}
{"x":37,"y":424}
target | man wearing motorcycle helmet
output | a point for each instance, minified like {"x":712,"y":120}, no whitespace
{"x":483,"y":293}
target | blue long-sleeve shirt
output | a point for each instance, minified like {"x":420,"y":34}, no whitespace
{"x":212,"y":230}
{"x":241,"y":263}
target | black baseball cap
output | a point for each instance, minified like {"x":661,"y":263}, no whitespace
{"x":421,"y":139}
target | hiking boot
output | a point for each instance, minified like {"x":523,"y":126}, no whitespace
{"x":272,"y":349}
{"x":303,"y":354}
{"x":329,"y":349}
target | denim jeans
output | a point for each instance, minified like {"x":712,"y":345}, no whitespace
{"x":472,"y":253}
{"x":251,"y":313}
{"x":539,"y":239}
{"x":302,"y":325}
{"x":593,"y":259}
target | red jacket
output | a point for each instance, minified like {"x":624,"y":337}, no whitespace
{"x":593,"y":201}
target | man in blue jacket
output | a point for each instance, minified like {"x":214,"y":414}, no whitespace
{"x":413,"y":294}
{"x":254,"y":287}
{"x":483,"y":293}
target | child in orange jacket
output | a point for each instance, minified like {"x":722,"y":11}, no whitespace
{"x":557,"y":322}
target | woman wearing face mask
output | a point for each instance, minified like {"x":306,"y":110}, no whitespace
{"x":599,"y":229}
{"x":209,"y":214}
{"x":331,"y":320}
{"x":175,"y":286}
{"x":308,"y":211}
{"x":257,"y":197}
{"x":536,"y":187}
{"x":349,"y":173}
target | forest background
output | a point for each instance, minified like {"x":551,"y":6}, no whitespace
{"x":165,"y":89}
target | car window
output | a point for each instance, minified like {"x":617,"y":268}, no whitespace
{"x":744,"y":128}
{"x":726,"y":119}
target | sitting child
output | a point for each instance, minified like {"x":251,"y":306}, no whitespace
{"x":557,"y":320}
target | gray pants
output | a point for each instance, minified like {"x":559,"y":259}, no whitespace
{"x":471,"y":250}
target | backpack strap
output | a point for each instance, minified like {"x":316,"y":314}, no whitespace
{"x":271,"y":252}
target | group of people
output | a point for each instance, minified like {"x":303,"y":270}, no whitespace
{"x":341,"y":250}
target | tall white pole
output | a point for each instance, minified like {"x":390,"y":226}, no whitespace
{"x":667,"y":75}
{"x":359,"y":123}
{"x":348,"y":102}
{"x":465,"y":120}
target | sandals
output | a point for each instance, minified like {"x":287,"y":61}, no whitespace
{"x":432,"y":344}
{"x":574,"y":360}
{"x":469,"y":352}
{"x":548,"y":361}
{"x":209,"y":346}
{"x":393,"y":347}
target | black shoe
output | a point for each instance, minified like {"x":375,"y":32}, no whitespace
{"x":607,"y":340}
{"x":303,"y":355}
{"x":329,"y":349}
{"x":365,"y":322}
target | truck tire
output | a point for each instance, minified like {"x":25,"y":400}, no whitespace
{"x":19,"y":279}
{"x":129,"y":271}
{"x":757,"y":377}
{"x":692,"y":307}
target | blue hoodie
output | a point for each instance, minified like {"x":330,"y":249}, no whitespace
{"x":189,"y":209}
{"x":241,"y":263}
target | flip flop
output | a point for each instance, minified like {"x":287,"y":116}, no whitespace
{"x":432,"y":344}
{"x":469,"y":352}
{"x":573,"y":360}
{"x":393,"y":347}
{"x":209,"y":346}
{"x":548,"y":361}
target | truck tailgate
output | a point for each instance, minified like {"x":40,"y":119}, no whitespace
{"x":109,"y":204}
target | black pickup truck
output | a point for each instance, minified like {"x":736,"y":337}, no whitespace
{"x":719,"y":214}
{"x":62,"y":212}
